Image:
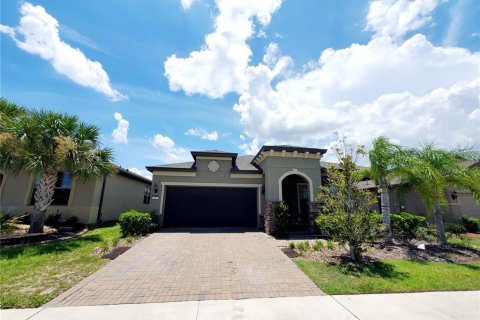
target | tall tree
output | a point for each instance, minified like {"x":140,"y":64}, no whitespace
{"x":429,"y":170}
{"x":45,"y":143}
{"x":384,"y":159}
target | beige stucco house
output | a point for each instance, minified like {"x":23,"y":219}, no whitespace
{"x":222,"y":189}
{"x":459,"y":202}
{"x":100,"y":199}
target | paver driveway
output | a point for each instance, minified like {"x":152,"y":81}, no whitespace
{"x":184,"y":266}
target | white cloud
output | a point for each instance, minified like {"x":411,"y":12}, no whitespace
{"x":169,"y":152}
{"x":142,"y":172}
{"x":409,"y":92}
{"x":186,"y":4}
{"x":475,"y":116}
{"x":250,"y":147}
{"x":202,"y":133}
{"x":397,"y":17}
{"x":120,"y":133}
{"x":41,"y":37}
{"x":7,"y":30}
{"x":219,"y":66}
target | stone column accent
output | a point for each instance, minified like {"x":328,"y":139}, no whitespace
{"x":314,"y":210}
{"x":268,"y":218}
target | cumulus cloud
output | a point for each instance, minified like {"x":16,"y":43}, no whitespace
{"x":202,"y":133}
{"x":142,"y":172}
{"x":120,"y":133}
{"x":219,"y":66}
{"x":249,"y":147}
{"x":169,"y":152}
{"x":406,"y":89}
{"x":397,"y":17}
{"x":40,"y":36}
{"x":408,"y":92}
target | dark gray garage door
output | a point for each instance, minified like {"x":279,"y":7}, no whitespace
{"x":210,"y":207}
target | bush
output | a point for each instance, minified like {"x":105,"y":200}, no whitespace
{"x":280,"y":215}
{"x":330,"y":244}
{"x":455,"y":228}
{"x":133,"y":223}
{"x":52,"y":219}
{"x":301,"y":248}
{"x":318,"y":245}
{"x":469,"y":223}
{"x":406,"y":225}
{"x":428,"y":233}
{"x":291,"y":245}
{"x":71,"y":222}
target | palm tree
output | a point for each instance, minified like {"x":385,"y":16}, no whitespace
{"x":429,"y":170}
{"x":45,"y":143}
{"x":384,"y":158}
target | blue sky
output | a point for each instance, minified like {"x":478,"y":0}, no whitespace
{"x":161,"y":78}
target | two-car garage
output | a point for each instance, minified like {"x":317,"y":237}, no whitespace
{"x":208,"y":207}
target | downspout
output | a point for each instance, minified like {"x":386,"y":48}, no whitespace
{"x":99,"y":214}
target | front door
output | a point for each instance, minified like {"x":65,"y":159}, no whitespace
{"x":302,"y":191}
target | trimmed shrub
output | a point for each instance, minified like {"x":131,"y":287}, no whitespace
{"x":53,"y":219}
{"x":280,"y":216}
{"x":469,"y":223}
{"x":71,"y":222}
{"x":455,"y":228}
{"x":134,"y":223}
{"x":406,"y":225}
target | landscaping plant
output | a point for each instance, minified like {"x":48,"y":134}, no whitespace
{"x":430,"y":170}
{"x":45,"y":143}
{"x":280,"y":214}
{"x":348,"y":218}
{"x":469,"y":223}
{"x":318,"y":245}
{"x":405,"y":225}
{"x":134,"y":223}
{"x":383,"y":158}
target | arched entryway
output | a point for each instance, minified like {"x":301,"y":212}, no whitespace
{"x":295,"y":191}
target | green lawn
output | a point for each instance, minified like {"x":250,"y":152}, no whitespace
{"x":467,"y":240}
{"x":392,"y":276}
{"x":31,"y":276}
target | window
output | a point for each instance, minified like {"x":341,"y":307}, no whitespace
{"x":63,"y":187}
{"x":147,"y":194}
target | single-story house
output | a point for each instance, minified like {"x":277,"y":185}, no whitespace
{"x":101,"y":199}
{"x":222,"y":189}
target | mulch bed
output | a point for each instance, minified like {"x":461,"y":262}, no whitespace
{"x":290,"y":252}
{"x":115,"y":253}
{"x":397,"y":251}
{"x":20,"y":236}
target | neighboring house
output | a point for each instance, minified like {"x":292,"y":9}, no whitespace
{"x":100,"y":199}
{"x":459,"y":202}
{"x":222,"y":189}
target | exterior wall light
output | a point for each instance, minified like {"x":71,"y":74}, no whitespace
{"x":454,"y":195}
{"x":155,"y":187}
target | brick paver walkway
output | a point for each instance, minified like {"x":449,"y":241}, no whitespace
{"x":183,"y":266}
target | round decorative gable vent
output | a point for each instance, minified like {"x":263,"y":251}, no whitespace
{"x":213,"y":166}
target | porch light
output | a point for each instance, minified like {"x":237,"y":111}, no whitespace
{"x":155,"y":187}
{"x":454,"y":195}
